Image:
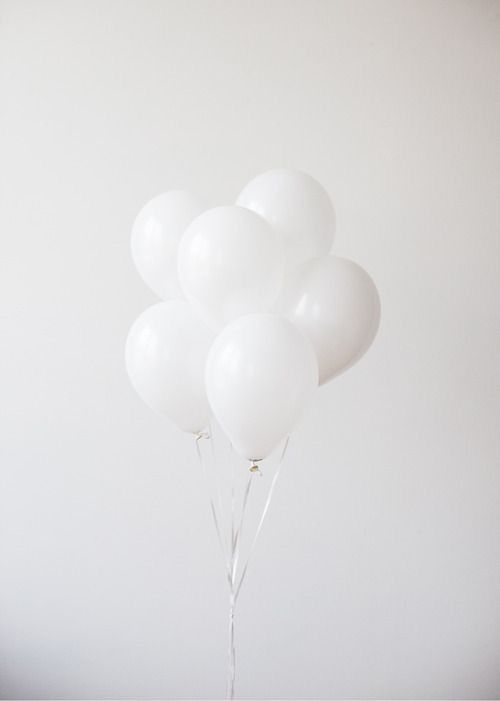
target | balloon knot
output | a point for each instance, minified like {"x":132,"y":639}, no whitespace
{"x":255,"y":468}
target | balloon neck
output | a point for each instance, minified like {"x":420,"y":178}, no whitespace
{"x":254,"y":468}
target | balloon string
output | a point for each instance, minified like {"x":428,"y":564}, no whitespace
{"x":231,"y":671}
{"x":239,"y":530}
{"x":235,"y":545}
{"x":217,"y":485}
{"x":262,"y":518}
{"x":233,"y":482}
{"x":232,"y":554}
{"x":213,"y":509}
{"x":231,"y":674}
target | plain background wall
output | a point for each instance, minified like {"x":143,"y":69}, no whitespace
{"x":378,"y":571}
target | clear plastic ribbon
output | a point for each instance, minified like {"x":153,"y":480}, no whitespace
{"x":231,"y":548}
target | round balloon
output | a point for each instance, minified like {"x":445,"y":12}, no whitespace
{"x":165,"y":356}
{"x":298,"y":208}
{"x":335,"y":303}
{"x":155,"y":237}
{"x":260,"y":373}
{"x":230,"y":263}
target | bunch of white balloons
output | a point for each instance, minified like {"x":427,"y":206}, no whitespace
{"x":256,"y":313}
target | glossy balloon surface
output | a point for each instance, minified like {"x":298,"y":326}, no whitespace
{"x":335,"y":303}
{"x":261,"y":371}
{"x":165,"y":356}
{"x":156,"y":234}
{"x":230,"y":263}
{"x":298,"y":208}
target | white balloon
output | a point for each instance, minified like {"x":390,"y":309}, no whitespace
{"x":155,"y":237}
{"x":298,"y":208}
{"x":230,"y":263}
{"x":165,"y":356}
{"x":335,"y":303}
{"x":260,"y":373}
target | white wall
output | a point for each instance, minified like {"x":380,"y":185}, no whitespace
{"x":378,"y":573}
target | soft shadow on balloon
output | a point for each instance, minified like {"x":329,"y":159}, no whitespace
{"x":335,"y":303}
{"x":165,"y":356}
{"x":156,"y":233}
{"x":298,"y":208}
{"x":230,"y":263}
{"x":260,"y":373}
